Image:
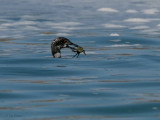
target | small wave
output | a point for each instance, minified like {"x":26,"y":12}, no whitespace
{"x":116,"y":40}
{"x":141,"y":20}
{"x":90,"y":52}
{"x":137,"y":20}
{"x":31,"y":28}
{"x":57,"y":34}
{"x":140,"y":27}
{"x":63,"y":23}
{"x":62,"y":34}
{"x":125,"y":45}
{"x":150,"y":11}
{"x":114,"y":34}
{"x":19,"y":23}
{"x":113,"y":26}
{"x":131,"y":11}
{"x":109,"y":10}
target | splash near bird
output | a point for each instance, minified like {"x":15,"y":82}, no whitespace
{"x":62,"y":42}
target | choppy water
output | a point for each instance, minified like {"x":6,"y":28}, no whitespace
{"x":118,"y":79}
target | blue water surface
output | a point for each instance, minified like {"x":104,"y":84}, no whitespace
{"x":118,"y":79}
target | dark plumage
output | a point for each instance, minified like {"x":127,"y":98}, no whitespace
{"x":58,"y":44}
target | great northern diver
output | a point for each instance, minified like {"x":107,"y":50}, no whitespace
{"x":59,"y":43}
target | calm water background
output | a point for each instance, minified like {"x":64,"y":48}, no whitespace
{"x":118,"y":79}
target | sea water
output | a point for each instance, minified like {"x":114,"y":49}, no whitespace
{"x":117,"y":79}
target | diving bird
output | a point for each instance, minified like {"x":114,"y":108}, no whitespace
{"x":59,"y":43}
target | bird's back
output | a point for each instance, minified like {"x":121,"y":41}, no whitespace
{"x":56,"y":46}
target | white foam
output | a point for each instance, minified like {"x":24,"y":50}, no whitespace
{"x":109,"y":10}
{"x":114,"y":34}
{"x":19,"y":23}
{"x":150,"y":11}
{"x":113,"y":26}
{"x":137,"y":20}
{"x":71,"y":23}
{"x":141,"y":20}
{"x":131,"y":11}
{"x":125,"y":45}
{"x":140,"y":27}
